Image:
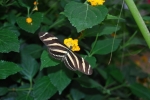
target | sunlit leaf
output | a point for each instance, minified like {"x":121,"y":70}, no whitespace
{"x":87,"y":18}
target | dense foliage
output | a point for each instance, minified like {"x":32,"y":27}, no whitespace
{"x":112,"y":45}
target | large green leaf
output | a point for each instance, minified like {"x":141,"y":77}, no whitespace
{"x":47,"y":60}
{"x":30,"y":27}
{"x":8,"y":41}
{"x":84,"y":16}
{"x":7,"y":69}
{"x":43,"y":89}
{"x":105,"y":46}
{"x":140,"y":91}
{"x":60,"y":77}
{"x":29,"y":65}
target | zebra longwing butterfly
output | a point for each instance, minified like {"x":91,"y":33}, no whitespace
{"x":59,"y":51}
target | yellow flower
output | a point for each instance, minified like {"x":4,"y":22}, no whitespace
{"x":72,"y":44}
{"x":29,"y":20}
{"x":35,"y":3}
{"x":35,"y":6}
{"x":96,"y":2}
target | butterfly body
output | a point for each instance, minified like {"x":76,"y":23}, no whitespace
{"x":59,"y":51}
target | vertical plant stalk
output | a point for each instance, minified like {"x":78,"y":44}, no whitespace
{"x":138,"y":19}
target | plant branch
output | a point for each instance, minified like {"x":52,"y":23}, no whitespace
{"x":138,"y":19}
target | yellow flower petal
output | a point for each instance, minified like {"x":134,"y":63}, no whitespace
{"x":75,"y":41}
{"x":96,"y":2}
{"x":72,"y":44}
{"x":76,"y":48}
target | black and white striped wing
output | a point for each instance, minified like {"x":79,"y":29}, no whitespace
{"x":59,"y":51}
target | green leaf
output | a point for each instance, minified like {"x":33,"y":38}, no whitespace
{"x":116,"y":73}
{"x":8,"y":68}
{"x":91,"y":60}
{"x":60,"y":77}
{"x":47,"y":60}
{"x":87,"y":18}
{"x":30,"y":27}
{"x":11,"y":28}
{"x":33,"y":49}
{"x":92,"y":31}
{"x":105,"y":30}
{"x":77,"y":94}
{"x":114,"y":17}
{"x":3,"y":90}
{"x":88,"y":83}
{"x":140,"y":91}
{"x":24,"y":97}
{"x":94,"y":97}
{"x":102,"y":72}
{"x":11,"y":19}
{"x":23,"y":4}
{"x":100,"y":30}
{"x":136,"y":41}
{"x":29,"y":65}
{"x":43,"y":89}
{"x":105,"y":46}
{"x":8,"y":41}
{"x":110,"y":80}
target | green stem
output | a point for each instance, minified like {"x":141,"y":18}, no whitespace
{"x":117,"y":87}
{"x":131,"y":5}
{"x":28,"y":11}
{"x":128,"y":41}
{"x":30,"y":86}
{"x":91,"y":52}
{"x":20,"y":89}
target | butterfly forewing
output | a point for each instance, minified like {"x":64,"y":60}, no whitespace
{"x":55,"y":48}
{"x":61,"y":52}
